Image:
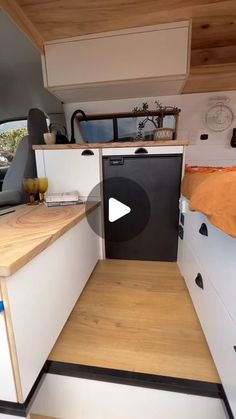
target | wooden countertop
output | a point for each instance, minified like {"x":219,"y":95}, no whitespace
{"x":31,"y":229}
{"x":112,"y":145}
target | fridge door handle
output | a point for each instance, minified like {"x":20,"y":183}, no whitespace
{"x":116,"y":161}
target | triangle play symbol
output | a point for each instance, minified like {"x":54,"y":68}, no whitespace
{"x":117,"y":210}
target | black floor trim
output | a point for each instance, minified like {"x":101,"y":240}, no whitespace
{"x":158,"y":382}
{"x":227,"y":405}
{"x":180,"y":385}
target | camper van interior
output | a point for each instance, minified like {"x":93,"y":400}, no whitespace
{"x":117,"y":209}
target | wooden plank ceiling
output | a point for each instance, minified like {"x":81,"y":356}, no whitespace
{"x":213,"y":58}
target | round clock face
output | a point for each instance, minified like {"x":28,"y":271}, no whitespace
{"x":219,"y":117}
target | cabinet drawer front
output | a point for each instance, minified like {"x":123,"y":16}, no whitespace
{"x":198,"y":242}
{"x":218,"y":327}
{"x":69,"y":170}
{"x":222,"y":267}
{"x":216,"y":252}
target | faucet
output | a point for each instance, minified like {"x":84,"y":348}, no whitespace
{"x":72,"y":139}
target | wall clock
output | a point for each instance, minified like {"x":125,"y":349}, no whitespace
{"x":219,"y":117}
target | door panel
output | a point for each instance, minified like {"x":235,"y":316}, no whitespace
{"x":69,"y":170}
{"x":160,"y":177}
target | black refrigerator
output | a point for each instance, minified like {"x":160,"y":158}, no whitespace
{"x":150,"y":186}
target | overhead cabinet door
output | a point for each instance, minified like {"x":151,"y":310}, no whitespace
{"x":98,"y":66}
{"x":154,"y":53}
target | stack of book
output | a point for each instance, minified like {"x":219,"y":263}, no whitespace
{"x":62,"y":199}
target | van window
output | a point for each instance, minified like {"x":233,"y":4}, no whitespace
{"x":11,"y":133}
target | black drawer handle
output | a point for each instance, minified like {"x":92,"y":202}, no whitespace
{"x":203,"y":230}
{"x":199,"y":281}
{"x":181,"y":232}
{"x":87,"y":153}
{"x":141,"y":150}
{"x":235,"y":348}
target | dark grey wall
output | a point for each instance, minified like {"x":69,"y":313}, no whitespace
{"x":21,"y":81}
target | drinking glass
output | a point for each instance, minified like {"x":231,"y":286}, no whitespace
{"x":43,"y":186}
{"x":31,"y":186}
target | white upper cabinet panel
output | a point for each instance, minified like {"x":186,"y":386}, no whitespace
{"x":110,"y":59}
{"x":153,"y":53}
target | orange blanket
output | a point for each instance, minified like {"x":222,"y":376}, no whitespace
{"x":214,"y":194}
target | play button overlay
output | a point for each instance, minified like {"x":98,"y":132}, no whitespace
{"x":116,"y":210}
{"x":125,"y":209}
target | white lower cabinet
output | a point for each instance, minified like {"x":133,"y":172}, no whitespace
{"x":75,"y":398}
{"x":7,"y":383}
{"x":207,"y":265}
{"x":70,"y":170}
{"x":42,"y":294}
{"x":216,"y":252}
{"x":218,"y":326}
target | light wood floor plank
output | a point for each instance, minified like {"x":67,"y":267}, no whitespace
{"x":137,"y":316}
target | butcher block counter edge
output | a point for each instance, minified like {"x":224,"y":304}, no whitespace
{"x":112,"y":145}
{"x":31,"y":229}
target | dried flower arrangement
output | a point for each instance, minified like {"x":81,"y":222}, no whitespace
{"x":155,"y":116}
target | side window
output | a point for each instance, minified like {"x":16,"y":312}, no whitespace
{"x":11,"y":134}
{"x":140,"y":124}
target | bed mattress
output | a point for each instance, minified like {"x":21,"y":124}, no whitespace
{"x":212,"y":191}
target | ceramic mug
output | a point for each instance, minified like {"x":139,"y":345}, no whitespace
{"x":49,"y":138}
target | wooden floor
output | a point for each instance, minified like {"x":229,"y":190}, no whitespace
{"x":137,"y":316}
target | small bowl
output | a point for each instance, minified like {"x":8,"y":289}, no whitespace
{"x":163,"y":134}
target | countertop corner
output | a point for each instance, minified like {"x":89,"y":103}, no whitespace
{"x":31,"y":229}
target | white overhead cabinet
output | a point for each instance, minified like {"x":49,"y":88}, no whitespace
{"x":144,"y":61}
